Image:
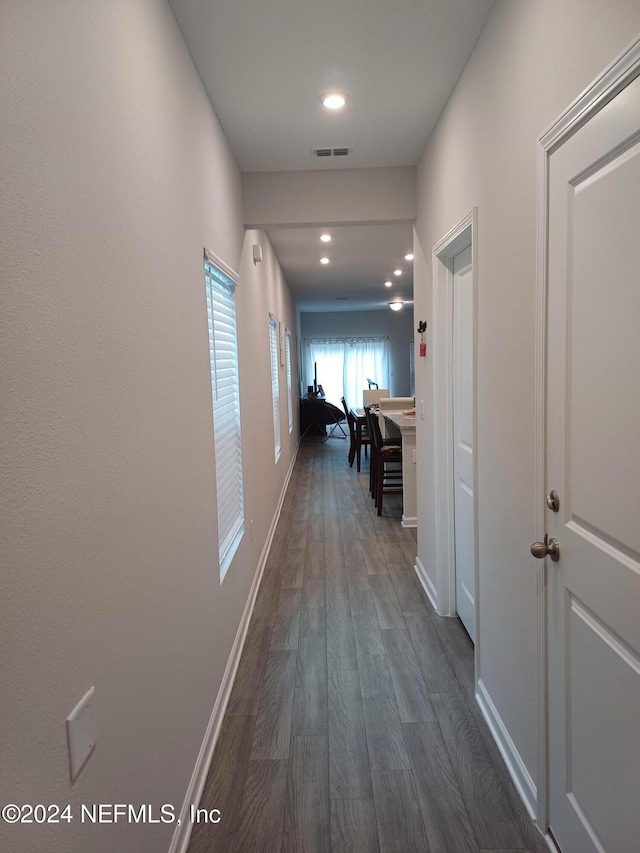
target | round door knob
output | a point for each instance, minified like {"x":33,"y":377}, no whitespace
{"x":549,"y":548}
{"x":539,"y":550}
{"x":553,"y":501}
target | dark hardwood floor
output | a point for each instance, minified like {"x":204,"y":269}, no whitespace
{"x":352,"y":724}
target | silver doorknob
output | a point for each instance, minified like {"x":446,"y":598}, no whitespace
{"x":548,"y":548}
{"x":553,"y":501}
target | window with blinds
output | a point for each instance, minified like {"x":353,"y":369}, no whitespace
{"x":287,"y":345}
{"x":220,"y":284}
{"x":275,"y":386}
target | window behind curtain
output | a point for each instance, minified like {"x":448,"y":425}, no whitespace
{"x":275,"y":386}
{"x":345,"y":364}
{"x":365,"y":358}
{"x":220,"y":284}
{"x":289,"y":388}
{"x":328,"y":358}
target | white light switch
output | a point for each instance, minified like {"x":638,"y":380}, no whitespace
{"x":422,"y":409}
{"x":81,"y":732}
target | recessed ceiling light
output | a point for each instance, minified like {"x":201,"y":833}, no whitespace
{"x":324,"y":260}
{"x":326,"y":238}
{"x":408,"y":257}
{"x":388,"y":283}
{"x":334,"y":101}
{"x":396,"y":305}
{"x":397,"y":272}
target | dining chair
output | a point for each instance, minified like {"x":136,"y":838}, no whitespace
{"x":352,"y":431}
{"x":359,"y":437}
{"x":385,"y":473}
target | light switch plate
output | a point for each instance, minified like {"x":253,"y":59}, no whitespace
{"x":81,"y":732}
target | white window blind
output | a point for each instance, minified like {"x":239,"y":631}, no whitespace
{"x":275,"y":386}
{"x":289,"y":389}
{"x":220,"y":283}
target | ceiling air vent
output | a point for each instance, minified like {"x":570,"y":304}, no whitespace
{"x":332,"y":152}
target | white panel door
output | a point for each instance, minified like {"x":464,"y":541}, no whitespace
{"x":593,"y":461}
{"x":463,"y":440}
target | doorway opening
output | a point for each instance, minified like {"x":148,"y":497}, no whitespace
{"x":455,"y":410}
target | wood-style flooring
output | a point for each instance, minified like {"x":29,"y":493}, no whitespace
{"x":352,"y":724}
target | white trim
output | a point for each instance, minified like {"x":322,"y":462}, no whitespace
{"x":458,"y":238}
{"x":426,"y":584}
{"x":551,"y":843}
{"x":450,"y":244}
{"x":515,"y":765}
{"x":182,"y":832}
{"x":542,"y":816}
{"x":624,"y":68}
{"x":607,"y":85}
{"x":409,"y":521}
{"x":225,"y":268}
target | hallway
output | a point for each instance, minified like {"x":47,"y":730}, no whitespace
{"x":352,"y":724}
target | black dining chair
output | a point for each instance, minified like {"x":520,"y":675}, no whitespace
{"x":359,"y":437}
{"x":385,"y":474}
{"x":352,"y":431}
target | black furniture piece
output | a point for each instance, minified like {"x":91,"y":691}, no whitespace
{"x":358,"y":434}
{"x":386,"y":462}
{"x":316,"y":415}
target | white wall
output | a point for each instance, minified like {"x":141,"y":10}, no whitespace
{"x":264,"y":291}
{"x":115,"y":176}
{"x":330,"y":197}
{"x":397,"y":324}
{"x":531,"y":61}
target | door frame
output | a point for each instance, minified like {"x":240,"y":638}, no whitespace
{"x":614,"y":78}
{"x":461,"y":236}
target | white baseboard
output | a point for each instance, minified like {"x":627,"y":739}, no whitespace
{"x":515,"y":765}
{"x":427,"y":585}
{"x":551,"y":843}
{"x":409,"y":521}
{"x":182,"y":832}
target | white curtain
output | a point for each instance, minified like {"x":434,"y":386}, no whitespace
{"x":364,"y":359}
{"x":344,"y":364}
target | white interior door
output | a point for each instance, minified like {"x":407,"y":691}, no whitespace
{"x":593,"y":461}
{"x":464,"y":524}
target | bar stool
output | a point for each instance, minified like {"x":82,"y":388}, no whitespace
{"x":385,"y":473}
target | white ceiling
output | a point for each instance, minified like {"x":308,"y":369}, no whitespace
{"x":265,"y":64}
{"x":352,"y":281}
